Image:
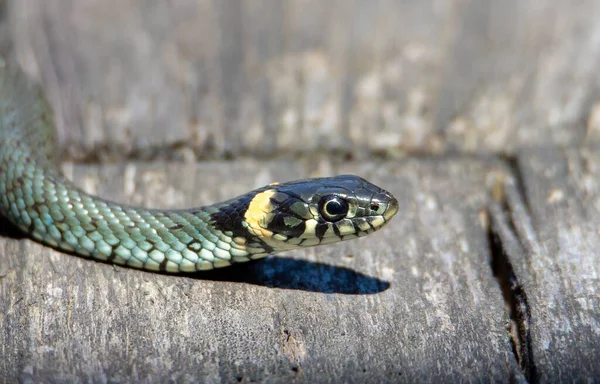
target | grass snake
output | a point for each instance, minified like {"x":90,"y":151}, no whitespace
{"x":36,"y":198}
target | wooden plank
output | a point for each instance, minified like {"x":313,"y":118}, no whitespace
{"x":553,"y":251}
{"x":416,"y":301}
{"x":264,"y":77}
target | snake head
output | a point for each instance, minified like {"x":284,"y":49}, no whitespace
{"x":318,"y":211}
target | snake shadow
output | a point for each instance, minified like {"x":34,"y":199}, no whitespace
{"x":273,"y":272}
{"x":7,"y":229}
{"x":284,"y":273}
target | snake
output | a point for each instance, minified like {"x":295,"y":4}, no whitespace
{"x":50,"y":209}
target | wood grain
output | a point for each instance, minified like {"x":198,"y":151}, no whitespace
{"x":415,"y":300}
{"x":556,"y":260}
{"x":481,"y":116}
{"x":150,"y":79}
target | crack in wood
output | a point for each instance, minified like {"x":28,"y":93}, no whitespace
{"x":188,"y":151}
{"x":507,"y":238}
{"x":516,"y":306}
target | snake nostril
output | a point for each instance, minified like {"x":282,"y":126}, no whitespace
{"x":374,"y":206}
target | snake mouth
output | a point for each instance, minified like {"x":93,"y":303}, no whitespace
{"x":391,"y":209}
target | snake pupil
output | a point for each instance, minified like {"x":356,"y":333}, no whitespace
{"x":333,"y":208}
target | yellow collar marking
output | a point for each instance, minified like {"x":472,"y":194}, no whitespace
{"x":258,"y":214}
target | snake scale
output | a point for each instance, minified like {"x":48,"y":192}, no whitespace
{"x":36,"y":198}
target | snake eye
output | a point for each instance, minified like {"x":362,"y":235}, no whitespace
{"x":333,"y":208}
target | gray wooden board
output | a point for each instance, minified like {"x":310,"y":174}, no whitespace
{"x":271,"y":76}
{"x":415,"y":301}
{"x":557,"y":262}
{"x":418,"y":300}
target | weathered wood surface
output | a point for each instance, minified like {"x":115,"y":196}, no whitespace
{"x":415,"y":301}
{"x":482,"y":244}
{"x":553,"y":249}
{"x":196,"y":78}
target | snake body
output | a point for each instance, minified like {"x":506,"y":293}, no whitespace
{"x":36,"y":198}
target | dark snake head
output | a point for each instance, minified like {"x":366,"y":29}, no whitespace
{"x":318,"y":211}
